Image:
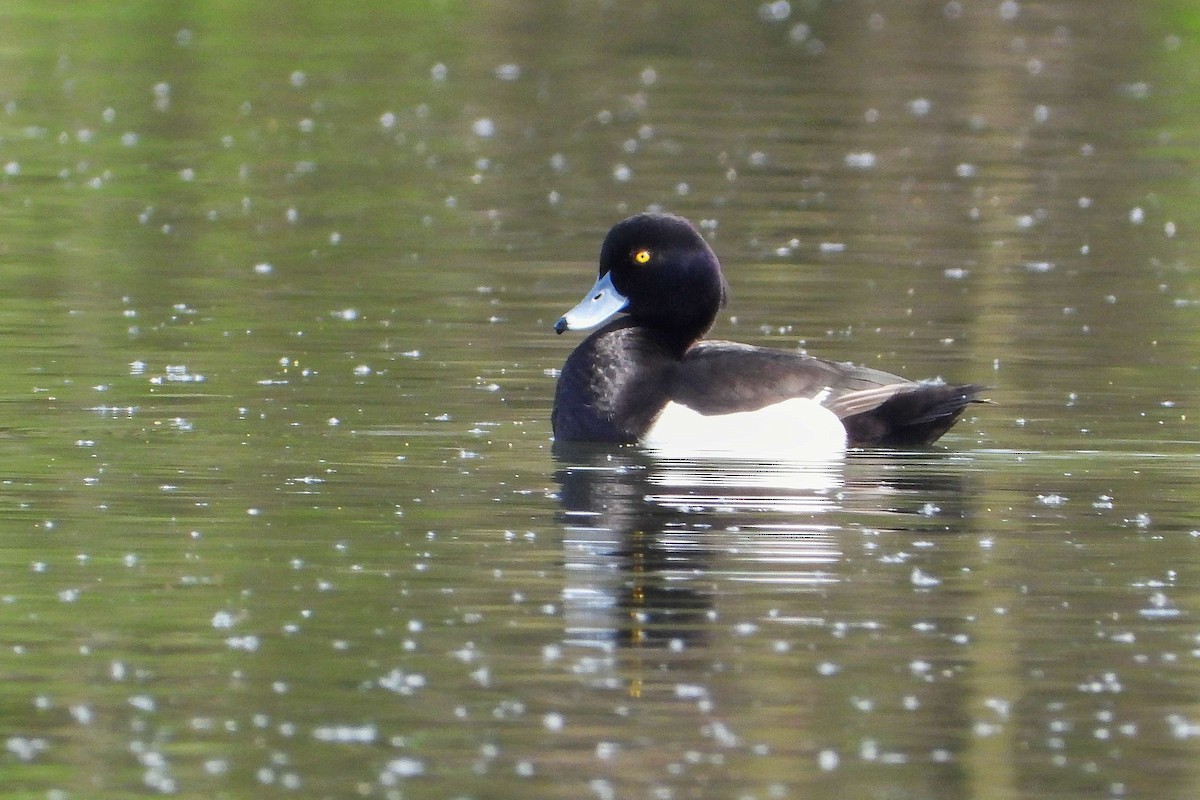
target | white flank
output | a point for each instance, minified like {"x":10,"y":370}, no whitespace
{"x":798,"y":429}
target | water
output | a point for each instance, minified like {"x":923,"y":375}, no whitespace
{"x":280,"y":510}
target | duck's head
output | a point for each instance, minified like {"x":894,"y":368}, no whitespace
{"x":658,"y":269}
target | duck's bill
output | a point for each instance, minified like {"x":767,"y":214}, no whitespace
{"x":601,"y":304}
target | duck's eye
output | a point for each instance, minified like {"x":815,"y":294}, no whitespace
{"x":641,"y":256}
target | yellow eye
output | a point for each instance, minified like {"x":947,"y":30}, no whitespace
{"x":642,"y":256}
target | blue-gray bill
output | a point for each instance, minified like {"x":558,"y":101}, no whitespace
{"x":601,"y":303}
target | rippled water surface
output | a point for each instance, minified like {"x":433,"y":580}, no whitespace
{"x":280,"y":514}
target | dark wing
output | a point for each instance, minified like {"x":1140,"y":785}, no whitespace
{"x":877,"y":408}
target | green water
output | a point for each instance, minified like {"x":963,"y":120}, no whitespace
{"x":279,"y":509}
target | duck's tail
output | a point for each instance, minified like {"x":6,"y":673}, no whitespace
{"x":914,"y":415}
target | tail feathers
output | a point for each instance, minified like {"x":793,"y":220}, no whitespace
{"x":914,"y":415}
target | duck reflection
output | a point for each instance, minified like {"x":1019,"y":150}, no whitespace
{"x":648,"y":539}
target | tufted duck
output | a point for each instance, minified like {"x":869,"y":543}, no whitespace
{"x":647,"y":376}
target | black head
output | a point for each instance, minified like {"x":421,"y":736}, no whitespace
{"x":667,"y":271}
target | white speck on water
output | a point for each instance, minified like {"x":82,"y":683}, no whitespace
{"x":828,"y":760}
{"x":401,"y":768}
{"x":12,"y":169}
{"x":1051,"y":499}
{"x":832,"y":247}
{"x":187,"y":174}
{"x":1182,"y":727}
{"x":346,"y":734}
{"x":162,"y":96}
{"x":553,"y":722}
{"x":263,"y":269}
{"x":362,"y":370}
{"x":827,"y":668}
{"x":1039,"y":266}
{"x":347,"y":314}
{"x":1138,"y":90}
{"x":965,"y":170}
{"x":920,"y":106}
{"x":649,"y":76}
{"x":929,"y":510}
{"x":508,"y":72}
{"x":999,"y":705}
{"x":1136,"y":215}
{"x":721,"y":733}
{"x":438,"y":72}
{"x":143,"y":703}
{"x":387,"y":120}
{"x":1009,"y":10}
{"x":298,"y":79}
{"x":81,"y":714}
{"x":859,"y":160}
{"x":248,"y":644}
{"x":1040,"y":113}
{"x":484,"y":128}
{"x":24,"y":749}
{"x":922,"y":579}
{"x":401,"y":682}
{"x":1108,"y":683}
{"x":956,"y":273}
{"x":606,"y":751}
{"x":776,"y":11}
{"x":622,"y":173}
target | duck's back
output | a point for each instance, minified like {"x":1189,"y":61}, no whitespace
{"x":876,"y":407}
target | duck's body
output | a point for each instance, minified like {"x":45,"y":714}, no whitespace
{"x":648,"y":375}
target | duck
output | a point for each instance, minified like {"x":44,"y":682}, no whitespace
{"x":647,"y":375}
